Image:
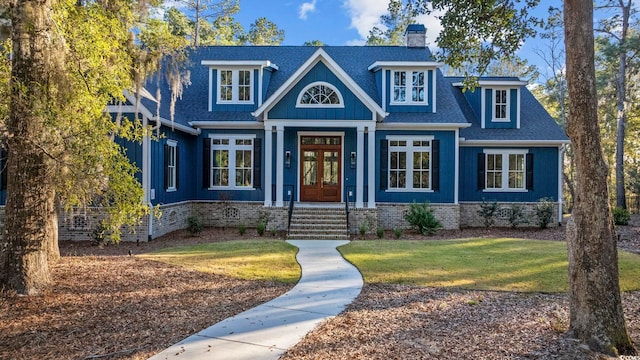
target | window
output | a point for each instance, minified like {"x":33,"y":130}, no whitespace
{"x":320,"y":94}
{"x":505,"y":170}
{"x":410,"y":163}
{"x":500,"y":105}
{"x":232,"y":162}
{"x":171,"y":165}
{"x":235,"y":86}
{"x":409,"y":87}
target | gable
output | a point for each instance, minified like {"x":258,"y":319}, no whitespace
{"x":352,"y":109}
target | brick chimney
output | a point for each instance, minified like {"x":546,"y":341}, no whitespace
{"x":416,"y":36}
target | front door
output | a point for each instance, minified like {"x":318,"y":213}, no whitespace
{"x":320,"y":166}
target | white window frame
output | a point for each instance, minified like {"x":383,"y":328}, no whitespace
{"x":409,"y":87}
{"x":409,"y":149}
{"x":505,"y":169}
{"x":507,"y":104}
{"x":231,"y":148}
{"x":173,"y":155}
{"x":235,"y":86}
{"x":299,"y":103}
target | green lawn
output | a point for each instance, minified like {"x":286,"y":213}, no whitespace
{"x":248,"y":259}
{"x":485,"y":264}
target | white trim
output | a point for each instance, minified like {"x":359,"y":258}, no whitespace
{"x":243,"y":125}
{"x":232,"y":147}
{"x":173,"y":144}
{"x":392,"y":64}
{"x":319,"y":123}
{"x":268,"y":165}
{"x":360,"y":168}
{"x":500,"y":143}
{"x":507,"y":104}
{"x":409,"y":149}
{"x":319,"y":83}
{"x":518,"y":101}
{"x":384,"y":90}
{"x":409,"y":87}
{"x":489,"y":83}
{"x":483,"y":108}
{"x":320,"y":55}
{"x":371,"y":166}
{"x":504,"y":153}
{"x":235,"y":87}
{"x":239,"y":63}
{"x":342,"y":162}
{"x":279,"y":166}
{"x":420,"y":126}
{"x":260,"y":79}
{"x":210,"y":102}
{"x":433,"y":92}
{"x":142,"y":110}
{"x":456,"y":170}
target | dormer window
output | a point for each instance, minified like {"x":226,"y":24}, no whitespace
{"x":500,"y":105}
{"x":235,"y":86}
{"x":320,"y":94}
{"x":409,"y":87}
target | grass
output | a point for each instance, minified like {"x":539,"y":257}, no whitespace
{"x":484,"y":264}
{"x":244,"y":259}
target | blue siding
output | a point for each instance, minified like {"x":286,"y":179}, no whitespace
{"x":474,"y":97}
{"x":545,"y":177}
{"x":233,"y":107}
{"x":265,"y":82}
{"x":203,"y":193}
{"x":513,"y":111}
{"x":187,"y":180}
{"x":409,"y":108}
{"x":447,"y":170}
{"x":354,"y":109}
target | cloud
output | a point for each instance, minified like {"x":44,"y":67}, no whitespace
{"x":365,"y":14}
{"x":306,"y":8}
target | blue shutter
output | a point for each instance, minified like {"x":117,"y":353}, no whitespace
{"x":529,"y":171}
{"x":257,"y":163}
{"x":206,"y":163}
{"x":384,"y":155}
{"x":435,"y":165}
{"x":481,"y":173}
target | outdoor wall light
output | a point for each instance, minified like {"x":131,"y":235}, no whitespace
{"x":287,"y":159}
{"x":353,"y":159}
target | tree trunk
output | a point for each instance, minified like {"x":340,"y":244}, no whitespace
{"x":596,"y":316}
{"x":30,"y":195}
{"x":53,"y":249}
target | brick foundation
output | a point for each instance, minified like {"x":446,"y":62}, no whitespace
{"x":469,"y":216}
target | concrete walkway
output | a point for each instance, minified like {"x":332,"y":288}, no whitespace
{"x":328,"y":284}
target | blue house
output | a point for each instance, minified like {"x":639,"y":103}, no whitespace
{"x":376,"y":128}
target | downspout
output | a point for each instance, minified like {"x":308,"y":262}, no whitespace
{"x":146,"y":173}
{"x":561,"y":152}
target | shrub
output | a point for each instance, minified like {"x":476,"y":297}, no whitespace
{"x":544,"y":212}
{"x":487,"y":210}
{"x":421,"y":217}
{"x":380,"y":232}
{"x":100,"y":235}
{"x":363,"y":228}
{"x":261,"y":227}
{"x":516,"y":216}
{"x":397,"y":232}
{"x":242,"y":228}
{"x":194,"y":225}
{"x":621,"y":216}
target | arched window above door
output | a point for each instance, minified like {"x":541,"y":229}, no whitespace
{"x":320,"y":94}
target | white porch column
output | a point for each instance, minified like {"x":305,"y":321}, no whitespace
{"x":279,"y":165}
{"x":360,"y":168}
{"x":371,"y":163}
{"x":268,"y":166}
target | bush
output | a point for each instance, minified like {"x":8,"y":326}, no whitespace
{"x":242,"y":228}
{"x":194,"y":225}
{"x":421,"y":217}
{"x":380,"y":232}
{"x":487,"y":210}
{"x":397,"y":232}
{"x":100,"y":235}
{"x":621,"y":216}
{"x":261,"y":227}
{"x":363,"y":228}
{"x":544,"y":212}
{"x":516,"y":216}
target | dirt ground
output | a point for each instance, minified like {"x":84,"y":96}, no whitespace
{"x":105,"y":303}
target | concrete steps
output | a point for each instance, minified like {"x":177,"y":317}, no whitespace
{"x":316,"y":223}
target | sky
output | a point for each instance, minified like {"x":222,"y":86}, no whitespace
{"x":347,"y":22}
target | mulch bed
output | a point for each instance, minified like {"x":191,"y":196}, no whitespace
{"x":106,"y":304}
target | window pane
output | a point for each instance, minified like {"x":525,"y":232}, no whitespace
{"x":402,"y":159}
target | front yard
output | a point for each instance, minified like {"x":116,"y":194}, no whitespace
{"x":107,"y":304}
